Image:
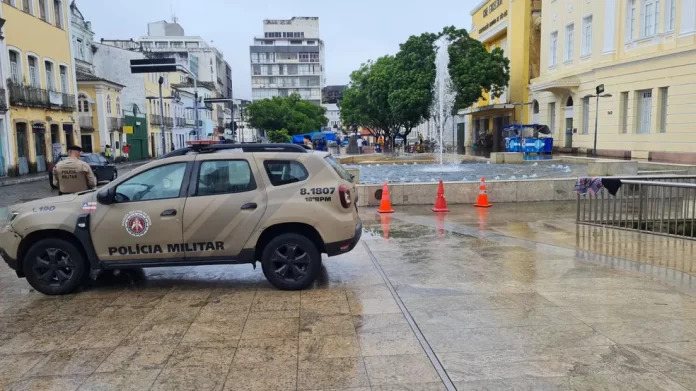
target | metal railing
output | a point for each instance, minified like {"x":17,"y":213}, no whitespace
{"x":169,"y":122}
{"x":86,"y":121}
{"x":662,"y":205}
{"x":155,"y":119}
{"x":3,"y":100}
{"x":115,"y":123}
{"x":23,"y":95}
{"x":180,"y":122}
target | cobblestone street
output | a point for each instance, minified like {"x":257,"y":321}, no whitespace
{"x":469,"y":301}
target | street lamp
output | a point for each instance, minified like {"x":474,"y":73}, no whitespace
{"x":599,"y":94}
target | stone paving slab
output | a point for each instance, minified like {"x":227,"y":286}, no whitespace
{"x":505,"y":302}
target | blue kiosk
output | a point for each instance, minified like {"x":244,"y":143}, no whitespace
{"x":528,"y":139}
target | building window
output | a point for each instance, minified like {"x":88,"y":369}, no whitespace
{"x":569,"y":43}
{"x":662,"y":126}
{"x":631,"y":22}
{"x":108,"y":104}
{"x":82,"y":103}
{"x":535,"y":112}
{"x":26,"y":6}
{"x":651,"y":14}
{"x":118,"y":106}
{"x":161,"y":44}
{"x":586,"y":115}
{"x":644,"y":111}
{"x":552,"y":117}
{"x":311,"y":42}
{"x":50,"y":76}
{"x":553,"y":49}
{"x":624,"y":112}
{"x":42,"y":10}
{"x":671,"y":15}
{"x":177,"y":44}
{"x":15,"y":67}
{"x":295,"y":42}
{"x":587,"y":35}
{"x":34,"y":72}
{"x":58,"y":13}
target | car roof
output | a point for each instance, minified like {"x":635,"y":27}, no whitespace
{"x":217,"y":148}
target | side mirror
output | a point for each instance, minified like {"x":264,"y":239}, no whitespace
{"x":106,"y":196}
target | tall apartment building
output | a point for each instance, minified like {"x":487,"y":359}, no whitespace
{"x":288,"y":59}
{"x":644,"y":52}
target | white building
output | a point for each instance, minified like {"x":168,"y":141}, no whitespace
{"x":288,"y":59}
{"x":333,"y":113}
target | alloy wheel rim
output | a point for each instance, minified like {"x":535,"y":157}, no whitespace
{"x":290,"y":262}
{"x":54,"y":267}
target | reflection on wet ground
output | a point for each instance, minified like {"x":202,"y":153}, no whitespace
{"x":515,"y":297}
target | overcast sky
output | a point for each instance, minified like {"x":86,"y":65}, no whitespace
{"x":353,"y":31}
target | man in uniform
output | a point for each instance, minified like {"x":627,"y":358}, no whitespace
{"x":72,"y":175}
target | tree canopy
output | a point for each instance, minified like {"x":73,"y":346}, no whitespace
{"x":394,"y":94}
{"x":290,"y":113}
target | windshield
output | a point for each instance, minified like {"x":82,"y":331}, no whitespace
{"x":339,"y":168}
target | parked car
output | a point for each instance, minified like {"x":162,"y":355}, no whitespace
{"x":104,"y":170}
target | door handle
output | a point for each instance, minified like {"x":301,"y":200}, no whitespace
{"x":249,"y":206}
{"x":168,"y":212}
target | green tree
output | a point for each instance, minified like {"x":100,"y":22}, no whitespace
{"x":291,"y":113}
{"x":474,"y":70}
{"x":279,"y":136}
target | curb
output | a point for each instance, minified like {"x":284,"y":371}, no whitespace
{"x":19,"y":181}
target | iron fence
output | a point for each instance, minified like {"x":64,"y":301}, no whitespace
{"x":86,"y":122}
{"x":3,"y":100}
{"x":663,"y":205}
{"x":23,"y":95}
{"x":155,"y":119}
{"x":115,"y":123}
{"x":169,"y":122}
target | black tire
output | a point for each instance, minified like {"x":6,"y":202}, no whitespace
{"x":281,"y":264}
{"x":54,"y":267}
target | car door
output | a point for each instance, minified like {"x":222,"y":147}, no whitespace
{"x":226,"y":201}
{"x":144,"y":222}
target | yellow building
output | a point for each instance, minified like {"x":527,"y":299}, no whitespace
{"x":513,"y":26}
{"x":159,"y":121}
{"x":644,"y":53}
{"x":41,"y":86}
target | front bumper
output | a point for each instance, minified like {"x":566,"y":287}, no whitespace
{"x":344,"y":246}
{"x":9,"y":241}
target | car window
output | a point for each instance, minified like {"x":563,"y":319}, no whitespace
{"x":86,"y":158}
{"x":224,"y":177}
{"x":283,"y":172}
{"x":154,"y":184}
{"x":100,"y":159}
{"x":339,"y":168}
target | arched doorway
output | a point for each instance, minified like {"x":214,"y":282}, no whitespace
{"x":569,"y":112}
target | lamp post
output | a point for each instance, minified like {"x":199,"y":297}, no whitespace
{"x":599,"y":94}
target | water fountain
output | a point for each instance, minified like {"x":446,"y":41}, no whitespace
{"x":443,"y":94}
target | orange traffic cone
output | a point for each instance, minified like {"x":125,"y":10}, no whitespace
{"x":482,"y":201}
{"x":440,"y":201}
{"x":385,"y":205}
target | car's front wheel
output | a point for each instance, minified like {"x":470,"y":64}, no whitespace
{"x":54,"y":267}
{"x":291,"y":262}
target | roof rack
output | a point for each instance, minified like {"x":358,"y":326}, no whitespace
{"x":212,"y":148}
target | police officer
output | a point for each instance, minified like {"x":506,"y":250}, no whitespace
{"x":72,"y":175}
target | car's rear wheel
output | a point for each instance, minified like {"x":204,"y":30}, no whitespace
{"x":291,"y":262}
{"x":54,"y":267}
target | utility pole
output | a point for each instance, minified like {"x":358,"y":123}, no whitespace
{"x":161,"y":101}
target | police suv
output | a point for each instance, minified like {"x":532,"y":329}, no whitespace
{"x":278,"y":204}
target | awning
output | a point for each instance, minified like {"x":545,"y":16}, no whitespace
{"x":488,"y":110}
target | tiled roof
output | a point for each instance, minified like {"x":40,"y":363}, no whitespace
{"x":81,"y":76}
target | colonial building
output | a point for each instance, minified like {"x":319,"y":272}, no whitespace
{"x":644,"y":53}
{"x":41,"y":85}
{"x":514,"y":27}
{"x":333,"y":114}
{"x":99,"y":100}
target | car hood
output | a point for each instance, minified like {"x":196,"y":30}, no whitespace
{"x":63,"y":199}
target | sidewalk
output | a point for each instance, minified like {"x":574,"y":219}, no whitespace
{"x":9,"y":181}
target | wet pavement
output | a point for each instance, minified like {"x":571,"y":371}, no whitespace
{"x":515,"y":297}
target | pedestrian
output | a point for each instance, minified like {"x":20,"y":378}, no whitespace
{"x":107,"y":152}
{"x":360,"y":145}
{"x":72,"y":175}
{"x":308,"y":142}
{"x":126,"y":150}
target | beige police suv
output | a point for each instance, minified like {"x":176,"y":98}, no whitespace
{"x":278,"y":204}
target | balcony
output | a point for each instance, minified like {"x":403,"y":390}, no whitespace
{"x":169,"y":122}
{"x":155,"y":119}
{"x":115,"y":124}
{"x":180,"y":122}
{"x":22,"y":95}
{"x":86,"y":121}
